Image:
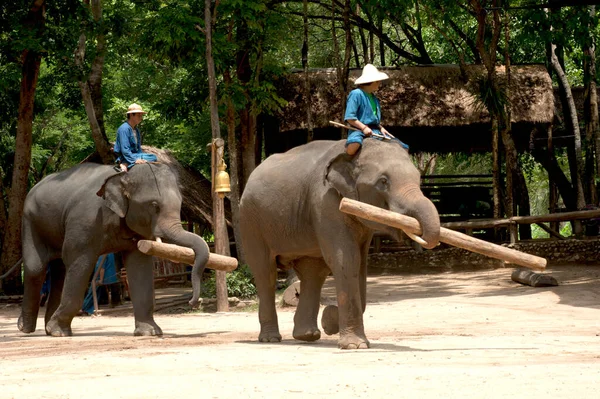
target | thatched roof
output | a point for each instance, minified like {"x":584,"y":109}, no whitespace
{"x":420,"y":96}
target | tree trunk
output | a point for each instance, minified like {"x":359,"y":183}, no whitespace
{"x":3,"y":220}
{"x":381,"y":44}
{"x":91,"y":86}
{"x":343,"y":67}
{"x":247,"y":120}
{"x":219,"y":225}
{"x":496,"y":169}
{"x":236,"y":174}
{"x":577,"y":176}
{"x":307,"y":95}
{"x":556,"y":175}
{"x":591,"y":117}
{"x":11,"y":246}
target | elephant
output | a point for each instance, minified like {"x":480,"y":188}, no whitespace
{"x":290,"y":217}
{"x":74,"y":216}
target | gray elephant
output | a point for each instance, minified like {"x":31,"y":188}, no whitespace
{"x":72,"y":217}
{"x":290,"y":217}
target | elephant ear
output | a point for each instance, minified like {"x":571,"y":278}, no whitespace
{"x":114,"y":192}
{"x":340,"y":174}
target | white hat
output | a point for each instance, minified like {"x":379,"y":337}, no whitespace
{"x":370,"y":74}
{"x":135,"y":109}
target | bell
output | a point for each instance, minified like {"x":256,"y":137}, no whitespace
{"x":222,"y":184}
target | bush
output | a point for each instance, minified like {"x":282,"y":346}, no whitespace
{"x":240,"y":283}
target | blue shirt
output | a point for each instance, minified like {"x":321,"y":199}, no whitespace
{"x":110,"y":269}
{"x":127,"y":144}
{"x":358,"y":106}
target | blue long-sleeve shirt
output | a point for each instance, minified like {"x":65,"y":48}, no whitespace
{"x":358,"y":106}
{"x":128,"y":144}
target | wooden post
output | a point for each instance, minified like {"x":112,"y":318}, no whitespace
{"x":455,"y":238}
{"x":220,"y":228}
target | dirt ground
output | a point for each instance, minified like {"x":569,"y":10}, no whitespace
{"x":446,"y":335}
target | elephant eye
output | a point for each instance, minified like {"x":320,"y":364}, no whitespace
{"x":383,"y":183}
{"x":155,"y":206}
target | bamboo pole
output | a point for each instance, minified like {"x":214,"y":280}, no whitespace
{"x":448,"y":236}
{"x":185,"y":255}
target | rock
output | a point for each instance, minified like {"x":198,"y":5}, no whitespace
{"x":292,"y":294}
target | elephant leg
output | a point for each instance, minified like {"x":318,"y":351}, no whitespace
{"x":312,"y":273}
{"x":57,"y":282}
{"x":345,"y":261}
{"x":264,"y":269}
{"x":140,"y":277}
{"x":79,"y":267}
{"x":330,"y":318}
{"x":35,"y":259}
{"x":362,"y":274}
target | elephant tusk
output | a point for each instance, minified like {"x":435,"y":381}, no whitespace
{"x":416,"y":238}
{"x":158,"y":239}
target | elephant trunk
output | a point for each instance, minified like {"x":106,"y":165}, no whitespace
{"x":178,"y":236}
{"x":422,"y":209}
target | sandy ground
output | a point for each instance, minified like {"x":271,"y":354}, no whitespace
{"x":448,"y":335}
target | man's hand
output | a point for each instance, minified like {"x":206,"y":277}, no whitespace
{"x":367,"y":131}
{"x":141,"y":161}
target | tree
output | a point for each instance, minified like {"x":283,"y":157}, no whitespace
{"x":31,"y":55}
{"x":91,"y":83}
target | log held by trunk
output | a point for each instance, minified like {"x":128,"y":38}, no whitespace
{"x":448,"y":236}
{"x":185,"y":255}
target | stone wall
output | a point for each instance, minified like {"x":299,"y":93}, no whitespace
{"x":451,"y":258}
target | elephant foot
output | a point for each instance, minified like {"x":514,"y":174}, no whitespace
{"x":330,"y":320}
{"x":55,"y":330}
{"x":26,"y":324}
{"x":309,"y":334}
{"x":147,"y":329}
{"x":353,"y":341}
{"x":269,"y":335}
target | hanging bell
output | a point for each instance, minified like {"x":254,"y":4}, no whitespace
{"x":222,"y":184}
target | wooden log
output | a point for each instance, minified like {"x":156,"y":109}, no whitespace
{"x":533,"y":279}
{"x":185,"y":255}
{"x":448,"y":236}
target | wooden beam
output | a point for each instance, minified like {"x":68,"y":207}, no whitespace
{"x":448,"y":236}
{"x":186,"y":255}
{"x":552,"y":217}
{"x":550,"y":231}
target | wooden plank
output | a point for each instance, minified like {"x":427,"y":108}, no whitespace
{"x":448,"y":236}
{"x":185,"y":255}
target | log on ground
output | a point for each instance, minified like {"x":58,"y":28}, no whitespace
{"x":527,"y":277}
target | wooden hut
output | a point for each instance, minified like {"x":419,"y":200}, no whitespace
{"x":431,"y":108}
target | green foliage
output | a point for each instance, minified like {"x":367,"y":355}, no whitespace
{"x":240,"y":283}
{"x":463,"y":164}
